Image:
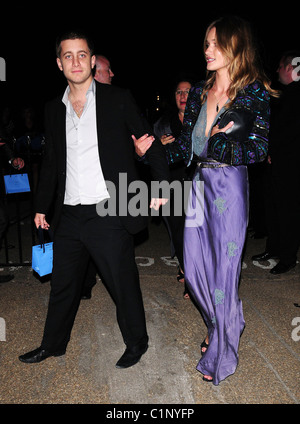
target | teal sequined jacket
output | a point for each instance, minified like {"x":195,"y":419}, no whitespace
{"x":253,"y":97}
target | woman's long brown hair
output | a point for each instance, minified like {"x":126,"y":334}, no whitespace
{"x":235,"y":41}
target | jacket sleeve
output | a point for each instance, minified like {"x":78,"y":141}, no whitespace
{"x":192,"y":110}
{"x":223,"y":149}
{"x":48,"y":175}
{"x":172,"y":151}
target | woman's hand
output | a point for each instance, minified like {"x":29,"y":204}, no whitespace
{"x":156,"y":203}
{"x":167,"y":138}
{"x":216,"y":130}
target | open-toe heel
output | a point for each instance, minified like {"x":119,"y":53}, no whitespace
{"x":203,"y":345}
{"x":180,"y":276}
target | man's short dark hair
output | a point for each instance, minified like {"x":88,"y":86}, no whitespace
{"x":287,"y":57}
{"x":73,"y":35}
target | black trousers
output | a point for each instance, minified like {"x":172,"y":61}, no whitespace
{"x":283,"y":213}
{"x":3,"y":221}
{"x":81,"y":233}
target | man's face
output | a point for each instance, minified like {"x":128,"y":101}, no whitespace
{"x":284,"y":73}
{"x":76,"y":61}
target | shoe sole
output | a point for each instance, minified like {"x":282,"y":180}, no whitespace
{"x":264,"y":259}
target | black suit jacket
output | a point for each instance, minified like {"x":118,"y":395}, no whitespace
{"x":117,"y":118}
{"x":284,"y":147}
{"x":5,"y":149}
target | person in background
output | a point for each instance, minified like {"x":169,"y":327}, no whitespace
{"x":103,"y":71}
{"x":30,"y":142}
{"x":17,"y":163}
{"x":168,"y":128}
{"x":283,"y":200}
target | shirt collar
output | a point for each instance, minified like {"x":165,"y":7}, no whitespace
{"x":91,"y":89}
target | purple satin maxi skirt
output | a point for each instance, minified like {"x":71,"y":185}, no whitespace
{"x":215,"y":232}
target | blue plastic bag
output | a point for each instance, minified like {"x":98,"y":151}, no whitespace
{"x":42,"y":258}
{"x":16,"y":183}
{"x":42,"y":255}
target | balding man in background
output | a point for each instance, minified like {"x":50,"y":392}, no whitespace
{"x":103,"y":72}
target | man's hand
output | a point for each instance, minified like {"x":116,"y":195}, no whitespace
{"x":40,"y":221}
{"x":157,"y":203}
{"x":142,"y":144}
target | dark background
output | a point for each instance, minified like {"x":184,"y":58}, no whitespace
{"x":149,"y":44}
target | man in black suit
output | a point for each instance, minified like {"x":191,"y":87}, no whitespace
{"x":88,"y":144}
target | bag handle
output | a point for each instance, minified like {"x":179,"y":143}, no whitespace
{"x":41,"y":237}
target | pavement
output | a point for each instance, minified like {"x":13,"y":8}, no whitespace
{"x":269,"y":352}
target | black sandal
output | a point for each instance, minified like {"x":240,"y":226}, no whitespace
{"x":180,"y":276}
{"x":204,"y":345}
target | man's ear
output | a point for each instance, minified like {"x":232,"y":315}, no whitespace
{"x":58,"y":61}
{"x":93,"y":61}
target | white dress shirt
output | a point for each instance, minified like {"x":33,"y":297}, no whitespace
{"x":85,"y":183}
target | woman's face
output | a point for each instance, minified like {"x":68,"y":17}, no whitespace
{"x":214,"y":57}
{"x":181,"y":95}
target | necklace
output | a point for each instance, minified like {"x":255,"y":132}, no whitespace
{"x":78,"y":108}
{"x":218,"y":101}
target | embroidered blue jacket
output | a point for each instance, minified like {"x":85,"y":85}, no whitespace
{"x":253,"y":97}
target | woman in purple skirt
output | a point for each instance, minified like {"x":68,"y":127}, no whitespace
{"x":217,"y":212}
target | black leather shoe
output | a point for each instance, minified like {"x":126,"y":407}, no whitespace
{"x":281,"y":268}
{"x":265,"y":256}
{"x":87,"y":290}
{"x":87,"y":294}
{"x":38,"y":355}
{"x":131,"y":356}
{"x":6,"y":278}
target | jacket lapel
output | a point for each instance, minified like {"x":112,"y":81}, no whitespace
{"x":99,"y":110}
{"x":60,"y":131}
